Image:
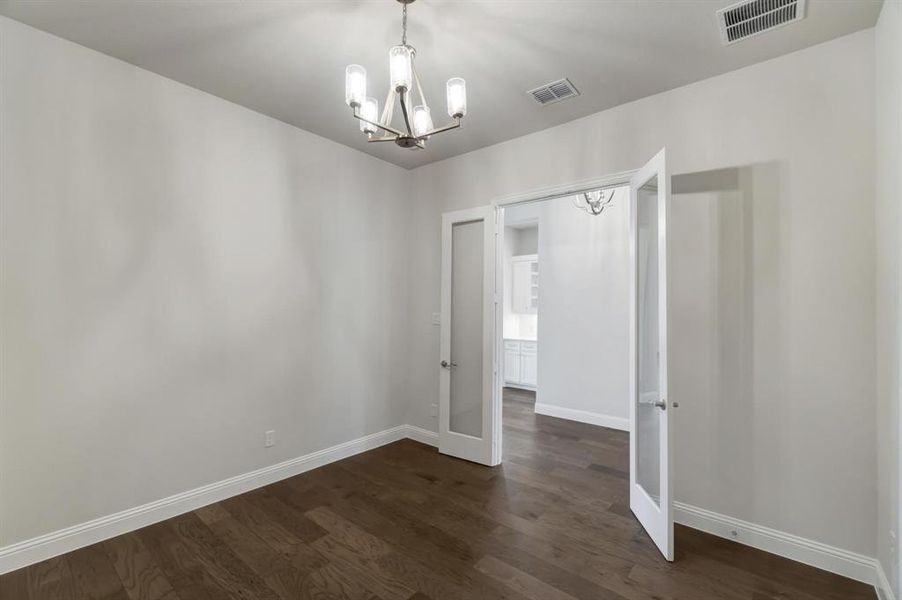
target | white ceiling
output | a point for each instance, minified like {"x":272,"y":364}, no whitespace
{"x":286,"y":59}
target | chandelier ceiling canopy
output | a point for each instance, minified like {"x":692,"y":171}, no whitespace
{"x":417,"y":124}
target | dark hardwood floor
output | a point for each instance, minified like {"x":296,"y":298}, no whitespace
{"x":404,"y":522}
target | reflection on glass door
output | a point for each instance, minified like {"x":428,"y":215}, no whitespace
{"x":648,"y":451}
{"x":465,"y":394}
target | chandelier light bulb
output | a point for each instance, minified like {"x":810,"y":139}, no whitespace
{"x":422,"y":120}
{"x":370,"y":112}
{"x":400,"y":62}
{"x":355,"y":85}
{"x":457,"y":97}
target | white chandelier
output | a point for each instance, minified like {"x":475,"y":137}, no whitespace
{"x":594,"y":202}
{"x":417,"y":127}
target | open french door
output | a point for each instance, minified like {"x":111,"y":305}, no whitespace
{"x":469,"y":427}
{"x":651,"y":443}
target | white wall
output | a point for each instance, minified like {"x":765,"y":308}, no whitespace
{"x":584,"y":308}
{"x":177,"y":275}
{"x":889,"y":284}
{"x":802,"y":128}
{"x":527,"y":241}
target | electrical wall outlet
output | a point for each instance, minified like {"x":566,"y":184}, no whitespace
{"x":269,"y":438}
{"x":436,"y":318}
{"x":433,"y":410}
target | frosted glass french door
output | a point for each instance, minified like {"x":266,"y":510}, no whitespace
{"x":467,"y":420}
{"x":651,"y":442}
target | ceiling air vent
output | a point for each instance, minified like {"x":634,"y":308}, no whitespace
{"x":553,"y":92}
{"x":749,"y":18}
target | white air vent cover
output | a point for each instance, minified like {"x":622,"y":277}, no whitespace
{"x":553,"y":92}
{"x":749,"y":18}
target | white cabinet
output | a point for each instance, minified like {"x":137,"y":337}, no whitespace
{"x":511,"y":362}
{"x":525,"y":284}
{"x":529,"y":363}
{"x":521,"y":363}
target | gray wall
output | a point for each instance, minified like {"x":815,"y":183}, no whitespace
{"x":889,"y":284}
{"x":584,"y":308}
{"x":527,"y":241}
{"x":177,"y":275}
{"x":805,"y":462}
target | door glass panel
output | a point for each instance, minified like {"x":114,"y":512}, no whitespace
{"x":465,"y":399}
{"x":648,"y":416}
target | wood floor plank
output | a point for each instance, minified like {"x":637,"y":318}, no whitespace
{"x":183,"y":570}
{"x":139,"y":573}
{"x":52,"y":580}
{"x":228,"y":571}
{"x":15,"y":585}
{"x":529,"y":586}
{"x":94,"y":574}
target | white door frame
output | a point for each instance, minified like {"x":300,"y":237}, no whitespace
{"x":499,"y":204}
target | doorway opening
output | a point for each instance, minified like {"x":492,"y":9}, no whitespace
{"x":630,"y":301}
{"x":565,"y":307}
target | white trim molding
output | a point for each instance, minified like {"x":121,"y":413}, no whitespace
{"x":424,"y":436}
{"x":583,"y":416}
{"x":884,"y":589}
{"x":816,"y":554}
{"x":22,"y":554}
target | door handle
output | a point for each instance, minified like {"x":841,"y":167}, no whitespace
{"x":448,"y":365}
{"x":662,"y":404}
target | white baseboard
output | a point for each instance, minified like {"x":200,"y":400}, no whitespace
{"x":424,"y":436}
{"x":884,"y":589}
{"x":583,"y":416}
{"x":21,"y":554}
{"x":520,"y":386}
{"x":836,"y":560}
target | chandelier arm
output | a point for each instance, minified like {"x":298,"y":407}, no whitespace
{"x":387,"y":128}
{"x":384,"y":138}
{"x":387,"y":109}
{"x":448,"y":127}
{"x":406,"y":115}
{"x":416,"y":78}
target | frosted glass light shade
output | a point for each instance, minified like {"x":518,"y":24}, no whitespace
{"x":422,"y":120}
{"x":400,"y":64}
{"x":355,"y":85}
{"x":457,"y":97}
{"x":369,"y":111}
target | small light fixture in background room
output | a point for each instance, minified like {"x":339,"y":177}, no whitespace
{"x":595,"y":202}
{"x":418,"y":126}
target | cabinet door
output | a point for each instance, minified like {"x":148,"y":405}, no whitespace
{"x":520,"y":287}
{"x":533,"y":287}
{"x":512,"y":366}
{"x":529,"y":369}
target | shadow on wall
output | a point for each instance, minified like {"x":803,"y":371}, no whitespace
{"x":725,"y":346}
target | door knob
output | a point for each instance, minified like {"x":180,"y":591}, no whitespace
{"x":448,"y":365}
{"x":662,"y":404}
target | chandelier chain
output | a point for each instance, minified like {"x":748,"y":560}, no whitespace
{"x":404,"y":25}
